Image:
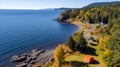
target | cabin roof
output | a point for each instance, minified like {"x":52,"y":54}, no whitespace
{"x":88,"y":59}
{"x":91,"y":38}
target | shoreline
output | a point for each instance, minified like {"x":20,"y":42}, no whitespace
{"x":80,"y":27}
{"x":48,"y":54}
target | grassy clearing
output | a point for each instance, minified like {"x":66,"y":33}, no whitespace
{"x":80,"y":59}
{"x":75,"y":58}
{"x":90,"y":51}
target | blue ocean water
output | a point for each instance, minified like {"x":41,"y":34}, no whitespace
{"x":24,"y":30}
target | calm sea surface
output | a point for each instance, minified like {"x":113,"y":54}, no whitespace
{"x":24,"y":30}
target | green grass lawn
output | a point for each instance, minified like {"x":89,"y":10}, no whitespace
{"x":75,"y":58}
{"x":89,"y":52}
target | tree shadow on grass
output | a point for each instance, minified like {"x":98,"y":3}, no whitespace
{"x":89,"y":51}
{"x":93,"y":44}
{"x":76,"y":64}
{"x":95,"y":62}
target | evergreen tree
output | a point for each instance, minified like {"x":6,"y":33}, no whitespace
{"x":81,"y":42}
{"x":71,"y":44}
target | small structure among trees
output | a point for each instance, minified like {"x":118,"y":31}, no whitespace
{"x":88,"y":59}
{"x":78,"y":45}
{"x":104,"y":23}
{"x":91,"y":39}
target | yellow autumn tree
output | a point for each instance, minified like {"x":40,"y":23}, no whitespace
{"x":103,"y":51}
{"x":58,"y":56}
{"x":102,"y":41}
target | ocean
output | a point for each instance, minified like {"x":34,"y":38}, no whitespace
{"x":24,"y":30}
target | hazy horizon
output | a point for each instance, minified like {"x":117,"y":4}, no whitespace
{"x":46,"y":4}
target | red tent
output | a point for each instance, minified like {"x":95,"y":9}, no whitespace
{"x":88,"y":59}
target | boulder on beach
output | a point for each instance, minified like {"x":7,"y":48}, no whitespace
{"x":36,"y":52}
{"x":22,"y":65}
{"x":51,"y":59}
{"x":14,"y":58}
{"x":28,"y":59}
{"x":18,"y":58}
{"x":32,"y":62}
{"x":24,"y":54}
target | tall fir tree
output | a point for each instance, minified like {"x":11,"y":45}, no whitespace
{"x":81,"y":42}
{"x":71,"y":43}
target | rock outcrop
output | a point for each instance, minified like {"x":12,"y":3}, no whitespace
{"x":22,"y":65}
{"x":63,"y":19}
{"x":26,"y":60}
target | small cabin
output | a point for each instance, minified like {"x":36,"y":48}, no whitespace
{"x":104,"y":23}
{"x":88,"y":59}
{"x":91,"y":39}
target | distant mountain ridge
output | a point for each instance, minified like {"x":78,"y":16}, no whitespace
{"x":63,"y":8}
{"x":99,"y":4}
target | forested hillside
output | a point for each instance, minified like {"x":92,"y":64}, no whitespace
{"x":109,"y":38}
{"x":100,"y":4}
{"x":91,"y":15}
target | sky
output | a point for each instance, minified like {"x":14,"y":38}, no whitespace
{"x":43,"y":4}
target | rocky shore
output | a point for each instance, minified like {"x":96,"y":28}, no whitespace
{"x":37,"y":56}
{"x":62,"y":19}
